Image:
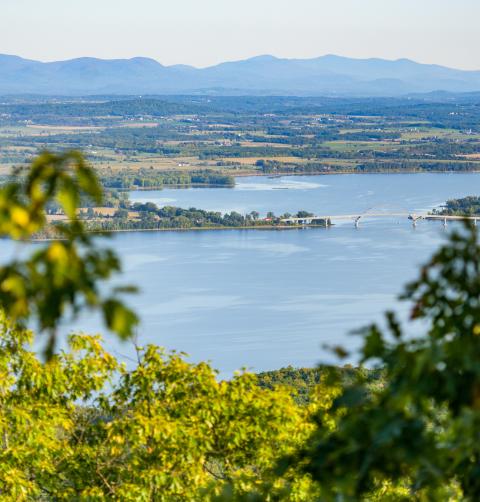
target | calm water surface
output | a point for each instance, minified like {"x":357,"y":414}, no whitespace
{"x":265,"y":299}
{"x":332,"y":194}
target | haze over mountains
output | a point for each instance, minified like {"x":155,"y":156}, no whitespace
{"x":324,"y":76}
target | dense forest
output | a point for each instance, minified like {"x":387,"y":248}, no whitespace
{"x":302,"y":382}
{"x":143,"y":178}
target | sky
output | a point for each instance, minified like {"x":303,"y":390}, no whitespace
{"x":206,"y":32}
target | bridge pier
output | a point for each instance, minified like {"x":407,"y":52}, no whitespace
{"x":445,"y":222}
{"x":414,"y":219}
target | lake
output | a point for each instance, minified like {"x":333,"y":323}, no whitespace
{"x":264,"y":299}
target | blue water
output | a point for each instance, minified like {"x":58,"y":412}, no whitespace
{"x":264,"y":299}
{"x":332,"y":194}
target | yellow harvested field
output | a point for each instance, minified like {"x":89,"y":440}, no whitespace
{"x":63,"y":127}
{"x":145,"y":162}
{"x":105,"y":211}
{"x":270,"y":145}
{"x":48,"y":130}
{"x":136,"y":125}
{"x":252,"y":160}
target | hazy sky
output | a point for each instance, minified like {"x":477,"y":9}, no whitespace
{"x":205,"y":32}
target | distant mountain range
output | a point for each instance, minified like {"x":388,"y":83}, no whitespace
{"x":263,"y":75}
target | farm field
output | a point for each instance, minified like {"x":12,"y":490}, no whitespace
{"x":246,"y":135}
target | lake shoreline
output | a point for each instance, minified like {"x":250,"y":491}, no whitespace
{"x":402,"y":171}
{"x":246,"y":174}
{"x":250,"y":227}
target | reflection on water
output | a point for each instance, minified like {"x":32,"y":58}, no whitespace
{"x":133,"y":260}
{"x":266,"y":299}
{"x":261,"y":245}
{"x":284,"y":183}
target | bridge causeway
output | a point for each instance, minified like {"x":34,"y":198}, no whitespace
{"x":355,"y":218}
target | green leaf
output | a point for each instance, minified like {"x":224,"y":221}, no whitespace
{"x":119,"y":318}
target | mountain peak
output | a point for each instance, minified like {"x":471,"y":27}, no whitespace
{"x":263,"y":58}
{"x":330,"y":74}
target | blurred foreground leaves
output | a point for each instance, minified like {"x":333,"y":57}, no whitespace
{"x":63,"y":276}
{"x":421,"y":429}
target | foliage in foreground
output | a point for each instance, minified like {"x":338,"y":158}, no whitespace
{"x":83,"y":427}
{"x":62,"y":277}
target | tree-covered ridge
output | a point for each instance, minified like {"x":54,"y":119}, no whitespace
{"x":386,"y":166}
{"x":135,"y":179}
{"x":467,"y":206}
{"x":148,"y":178}
{"x":302,"y":382}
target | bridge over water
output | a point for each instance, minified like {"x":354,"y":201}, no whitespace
{"x":355,"y":218}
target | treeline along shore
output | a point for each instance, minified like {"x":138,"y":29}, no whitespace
{"x":148,"y":216}
{"x":149,"y":179}
{"x":466,"y":206}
